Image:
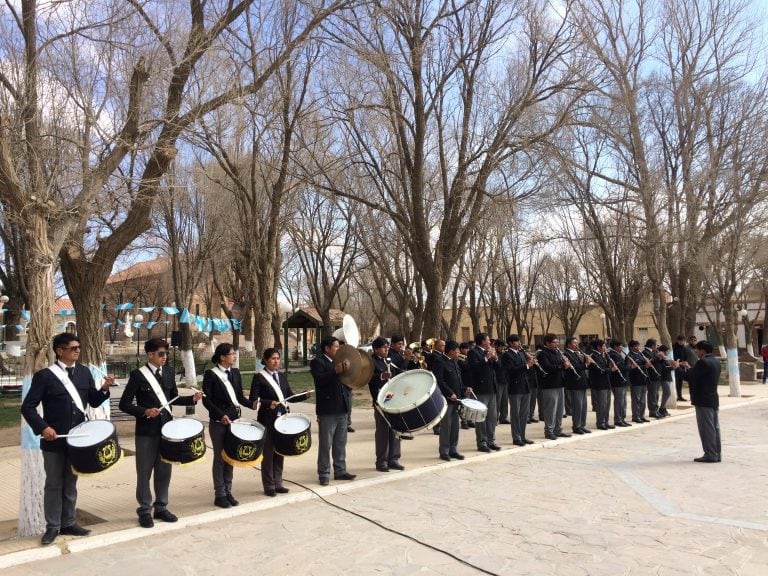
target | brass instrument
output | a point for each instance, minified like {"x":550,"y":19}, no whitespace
{"x":462,"y":357}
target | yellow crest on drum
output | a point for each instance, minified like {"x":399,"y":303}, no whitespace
{"x":198,"y":447}
{"x":302,"y":444}
{"x":245,"y":452}
{"x":107,"y":454}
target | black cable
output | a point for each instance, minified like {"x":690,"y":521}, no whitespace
{"x":393,"y":531}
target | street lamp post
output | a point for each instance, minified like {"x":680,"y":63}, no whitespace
{"x":605,"y":325}
{"x":3,"y":301}
{"x":139,"y":319}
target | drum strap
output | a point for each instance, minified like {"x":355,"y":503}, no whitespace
{"x":149,"y":376}
{"x":68,"y":384}
{"x":275,"y":387}
{"x":227,"y":385}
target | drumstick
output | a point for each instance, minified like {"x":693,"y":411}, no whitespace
{"x":71,"y":435}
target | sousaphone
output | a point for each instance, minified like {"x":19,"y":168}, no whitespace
{"x":358,"y":365}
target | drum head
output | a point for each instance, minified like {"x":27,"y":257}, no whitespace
{"x":181,"y":429}
{"x":247,"y":431}
{"x":96,"y":431}
{"x":406,"y":390}
{"x":474,"y":404}
{"x":292,"y":423}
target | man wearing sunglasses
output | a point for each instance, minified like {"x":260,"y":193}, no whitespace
{"x":64,"y":389}
{"x":149,"y":395}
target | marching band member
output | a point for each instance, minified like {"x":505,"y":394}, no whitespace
{"x":386,"y":440}
{"x":654,"y":378}
{"x":638,"y":378}
{"x":517,"y":365}
{"x":270,"y":389}
{"x":502,"y":392}
{"x":576,"y":385}
{"x":619,"y":383}
{"x":551,"y":387}
{"x":481,"y":360}
{"x":600,"y":383}
{"x":452,"y":387}
{"x":147,"y":397}
{"x":465,"y":377}
{"x":703,"y":379}
{"x":666,"y":378}
{"x":223,"y":396}
{"x":64,"y":389}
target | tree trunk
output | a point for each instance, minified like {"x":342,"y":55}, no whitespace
{"x":732,"y":351}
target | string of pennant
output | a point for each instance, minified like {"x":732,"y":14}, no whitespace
{"x":203,"y":323}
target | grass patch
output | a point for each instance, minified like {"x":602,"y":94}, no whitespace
{"x":10,"y":410}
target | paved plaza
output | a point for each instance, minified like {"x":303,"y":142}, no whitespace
{"x":627,"y":501}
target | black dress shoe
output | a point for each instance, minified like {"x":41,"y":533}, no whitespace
{"x":518,"y":443}
{"x":396,"y":466}
{"x":324,"y":481}
{"x":504,"y":422}
{"x":706,"y":459}
{"x":494,"y":447}
{"x":221,"y":502}
{"x":350,"y":429}
{"x":528,"y":441}
{"x":483,"y":449}
{"x":282,"y":490}
{"x":382,"y":468}
{"x":165,"y":516}
{"x":550,"y":436}
{"x":681,"y":399}
{"x":637,"y":420}
{"x":145,"y":520}
{"x":610,"y":426}
{"x":586,"y":431}
{"x":563,"y":435}
{"x":406,"y":437}
{"x":577,"y":431}
{"x":456,"y":455}
{"x":532,"y":421}
{"x":644,"y":419}
{"x":49,"y":536}
{"x":232,"y":500}
{"x":464,"y":426}
{"x":74,"y":530}
{"x":270,"y":493}
{"x":601,"y":427}
{"x":345,"y":476}
{"x":445,"y":457}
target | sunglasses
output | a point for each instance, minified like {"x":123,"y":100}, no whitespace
{"x":75,"y":348}
{"x":162,"y":354}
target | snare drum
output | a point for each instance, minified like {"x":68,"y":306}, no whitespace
{"x":472,"y":410}
{"x":182,"y":441}
{"x":293,"y":435}
{"x":411,"y":401}
{"x":243,"y":443}
{"x":96,"y":450}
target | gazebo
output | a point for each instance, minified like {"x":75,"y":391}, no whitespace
{"x":303,"y":320}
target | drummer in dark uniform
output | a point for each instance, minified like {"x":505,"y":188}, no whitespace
{"x":386,"y":441}
{"x":64,"y":389}
{"x":223,"y":396}
{"x":270,"y":388}
{"x":148,"y":396}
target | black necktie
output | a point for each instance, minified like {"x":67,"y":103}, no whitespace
{"x":276,"y":376}
{"x":70,"y":371}
{"x":229,"y":375}
{"x":159,"y":375}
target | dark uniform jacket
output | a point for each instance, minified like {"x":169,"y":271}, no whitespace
{"x":575,"y":380}
{"x":376,"y":383}
{"x":618,"y":378}
{"x":703,"y":379}
{"x":216,"y":398}
{"x":515,"y":366}
{"x":452,"y":381}
{"x":637,"y":375}
{"x":330,"y":397}
{"x":263,"y":390}
{"x":552,"y":363}
{"x":481,"y":372}
{"x":59,"y":410}
{"x":138,"y":396}
{"x":599,"y":373}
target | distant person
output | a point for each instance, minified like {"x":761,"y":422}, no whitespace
{"x":64,"y":389}
{"x":703,"y":379}
{"x":764,"y":354}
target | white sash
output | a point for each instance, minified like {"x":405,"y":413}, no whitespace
{"x":271,"y":381}
{"x":150,"y":377}
{"x":227,"y":385}
{"x":70,"y":387}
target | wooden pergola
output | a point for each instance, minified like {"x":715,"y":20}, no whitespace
{"x":303,"y":320}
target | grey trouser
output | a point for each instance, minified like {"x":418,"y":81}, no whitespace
{"x":333,"y":442}
{"x":638,"y":402}
{"x":709,"y":431}
{"x":485,"y":432}
{"x":602,"y":400}
{"x":666,"y":394}
{"x":449,"y":430}
{"x":271,"y":463}
{"x":60,"y":492}
{"x":533,"y":397}
{"x":619,"y":404}
{"x":518,"y":415}
{"x":552,"y":402}
{"x":502,"y":401}
{"x":653,"y":396}
{"x":222,"y":472}
{"x":578,"y":408}
{"x":387,"y":442}
{"x":148,"y":461}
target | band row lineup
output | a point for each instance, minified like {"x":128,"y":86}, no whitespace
{"x":438,"y":388}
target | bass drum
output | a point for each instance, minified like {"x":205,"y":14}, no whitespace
{"x":244,"y":443}
{"x":182,"y":441}
{"x":411,"y":401}
{"x":93,"y":447}
{"x":293,"y":436}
